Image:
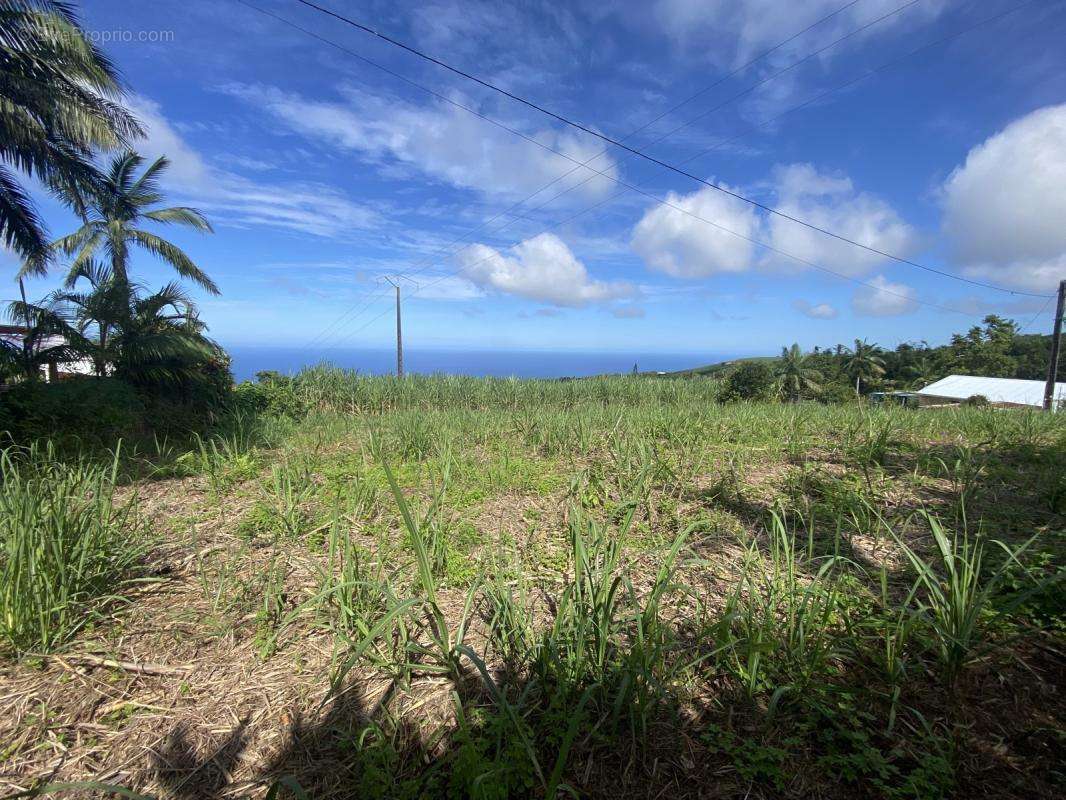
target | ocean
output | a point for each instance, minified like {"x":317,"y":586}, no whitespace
{"x":248,"y":360}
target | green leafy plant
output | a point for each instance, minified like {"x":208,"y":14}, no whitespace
{"x":67,"y":546}
{"x":957,"y":594}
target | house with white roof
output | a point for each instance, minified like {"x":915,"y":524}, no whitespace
{"x":1007,"y":392}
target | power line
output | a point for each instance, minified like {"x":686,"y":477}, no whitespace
{"x":352,"y":313}
{"x":880,"y":68}
{"x":1037,"y":315}
{"x":727,"y":230}
{"x":628,"y":186}
{"x":664,"y":164}
{"x":798,"y":259}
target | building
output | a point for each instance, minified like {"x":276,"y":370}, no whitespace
{"x":15,"y":336}
{"x":1004,"y":392}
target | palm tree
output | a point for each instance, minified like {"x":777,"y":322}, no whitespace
{"x":162,"y":341}
{"x":920,"y":372}
{"x":796,"y":374}
{"x":58,"y":102}
{"x":95,"y":313}
{"x":112,"y":216}
{"x":147,"y":339}
{"x":48,"y":339}
{"x":863,"y":363}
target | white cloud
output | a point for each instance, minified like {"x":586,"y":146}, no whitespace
{"x":440,"y":140}
{"x":684,"y":246}
{"x":734,"y":31}
{"x":229,"y":198}
{"x":542,"y":269}
{"x":830,"y":201}
{"x":815,"y":311}
{"x":884,"y":299}
{"x":1004,"y":207}
{"x":688,"y":245}
{"x":448,"y":288}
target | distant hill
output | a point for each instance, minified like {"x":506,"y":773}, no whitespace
{"x":715,"y":370}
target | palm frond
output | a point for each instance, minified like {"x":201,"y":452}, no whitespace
{"x":58,"y":96}
{"x":21,"y":229}
{"x":181,"y":215}
{"x":174,"y":256}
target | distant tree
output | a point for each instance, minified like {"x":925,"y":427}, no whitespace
{"x":994,"y":348}
{"x":58,"y":95}
{"x":863,"y":363}
{"x":269,"y":376}
{"x":750,"y":380}
{"x":797,"y":374}
{"x":986,"y":351}
{"x":1030,"y":354}
{"x":919,"y":373}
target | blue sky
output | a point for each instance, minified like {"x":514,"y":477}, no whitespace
{"x":321,"y":173}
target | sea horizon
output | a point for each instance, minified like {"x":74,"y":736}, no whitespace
{"x":247,"y":360}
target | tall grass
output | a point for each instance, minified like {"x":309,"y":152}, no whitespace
{"x":779,"y":629}
{"x":66,"y":546}
{"x":587,"y":628}
{"x":957,"y":591}
{"x":346,"y":391}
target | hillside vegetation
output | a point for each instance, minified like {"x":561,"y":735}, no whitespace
{"x":497,"y":588}
{"x":993,"y":349}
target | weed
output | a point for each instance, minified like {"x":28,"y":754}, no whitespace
{"x":67,"y":546}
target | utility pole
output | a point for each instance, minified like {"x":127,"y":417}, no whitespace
{"x":399,"y":327}
{"x":1056,"y":338}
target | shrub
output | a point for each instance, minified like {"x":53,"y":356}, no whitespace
{"x":751,"y":380}
{"x":273,"y":394}
{"x":194,"y":402}
{"x":976,"y":400}
{"x":837,"y":392}
{"x":93,"y":411}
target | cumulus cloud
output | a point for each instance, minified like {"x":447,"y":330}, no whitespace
{"x":815,"y":311}
{"x":685,"y":245}
{"x":440,"y":140}
{"x":229,"y":198}
{"x":884,"y":299}
{"x":830,"y":201}
{"x":1004,"y":207}
{"x":542,"y":269}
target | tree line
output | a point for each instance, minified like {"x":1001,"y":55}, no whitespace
{"x":994,"y":349}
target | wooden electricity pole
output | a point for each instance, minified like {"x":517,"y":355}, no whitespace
{"x":1056,"y":338}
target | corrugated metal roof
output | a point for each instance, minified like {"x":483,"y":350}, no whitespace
{"x":997,"y":390}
